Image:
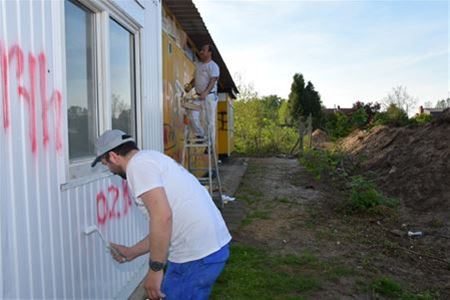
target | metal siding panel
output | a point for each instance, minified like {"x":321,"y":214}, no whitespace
{"x":152,"y":83}
{"x":69,"y":244}
{"x":85,"y":252}
{"x":36,"y":29}
{"x":47,"y":192}
{"x":43,"y":251}
{"x":9,"y":255}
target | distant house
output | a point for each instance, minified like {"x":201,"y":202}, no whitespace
{"x":345,"y":111}
{"x":434,"y":112}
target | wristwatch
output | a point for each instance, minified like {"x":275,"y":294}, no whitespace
{"x":156,"y":266}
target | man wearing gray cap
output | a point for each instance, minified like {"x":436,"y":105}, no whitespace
{"x":187,"y":231}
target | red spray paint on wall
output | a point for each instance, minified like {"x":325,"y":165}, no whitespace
{"x":15,"y":57}
{"x":113,"y":206}
{"x":102,"y":208}
{"x":55,"y":100}
{"x":5,"y":96}
{"x":44,"y":102}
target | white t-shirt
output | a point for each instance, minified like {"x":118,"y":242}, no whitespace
{"x":203,"y":74}
{"x":198,"y":228}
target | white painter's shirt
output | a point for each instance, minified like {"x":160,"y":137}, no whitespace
{"x":203,"y":74}
{"x":198,"y":228}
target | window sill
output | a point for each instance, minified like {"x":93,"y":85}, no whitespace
{"x":76,"y":182}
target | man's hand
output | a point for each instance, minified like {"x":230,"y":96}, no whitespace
{"x":152,"y":284}
{"x":203,"y":96}
{"x":122,"y":253}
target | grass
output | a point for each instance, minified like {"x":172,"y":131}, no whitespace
{"x":364,"y":197}
{"x":249,"y":196}
{"x":262,"y":215}
{"x":283,"y":200}
{"x":253,"y":273}
{"x":389,"y":288}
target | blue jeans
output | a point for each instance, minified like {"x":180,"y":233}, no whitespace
{"x":194,"y":280}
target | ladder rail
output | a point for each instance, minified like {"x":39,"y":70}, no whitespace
{"x":190,"y":144}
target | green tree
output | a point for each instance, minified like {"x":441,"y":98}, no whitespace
{"x":400,"y":98}
{"x":283,"y":113}
{"x":295,"y":97}
{"x":359,"y":118}
{"x":304,"y":100}
{"x":271,"y":104}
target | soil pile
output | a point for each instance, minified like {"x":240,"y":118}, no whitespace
{"x":411,"y":163}
{"x":320,"y":139}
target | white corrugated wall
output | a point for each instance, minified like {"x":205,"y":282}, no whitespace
{"x":43,"y":251}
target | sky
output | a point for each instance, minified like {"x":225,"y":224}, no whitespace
{"x":349,"y":50}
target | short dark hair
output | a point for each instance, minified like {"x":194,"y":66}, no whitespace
{"x":211,"y":49}
{"x":123,"y":149}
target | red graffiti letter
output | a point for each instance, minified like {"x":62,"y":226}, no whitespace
{"x":5,"y":96}
{"x":44,"y":102}
{"x":101,"y":198}
{"x":57,"y":100}
{"x":126,"y":197}
{"x":115,"y":191}
{"x":32,"y":103}
{"x":30,"y":99}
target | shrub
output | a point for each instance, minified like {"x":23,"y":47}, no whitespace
{"x":393,"y":116}
{"x":421,"y":119}
{"x":365,"y":197}
{"x":359,"y":118}
{"x":321,"y":162}
{"x":338,"y":125}
{"x":258,"y":129}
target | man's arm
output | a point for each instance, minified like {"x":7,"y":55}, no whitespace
{"x":129,"y":253}
{"x":188,"y":87}
{"x":210,"y":86}
{"x":160,"y":223}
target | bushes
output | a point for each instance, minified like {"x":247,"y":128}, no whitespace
{"x":421,"y":119}
{"x":365,"y":197}
{"x":259,"y":129}
{"x":393,"y":116}
{"x":321,"y":162}
{"x":338,"y":125}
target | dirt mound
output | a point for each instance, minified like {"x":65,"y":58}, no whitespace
{"x":320,"y":139}
{"x":411,"y":163}
{"x":444,"y":118}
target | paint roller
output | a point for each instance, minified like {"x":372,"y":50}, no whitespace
{"x":93,"y":228}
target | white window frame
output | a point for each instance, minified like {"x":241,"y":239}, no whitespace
{"x":80,"y":170}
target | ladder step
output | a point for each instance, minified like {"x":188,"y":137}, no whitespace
{"x":199,"y":169}
{"x":195,"y":145}
{"x":190,"y":141}
{"x":199,"y":154}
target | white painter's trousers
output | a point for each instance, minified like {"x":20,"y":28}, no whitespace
{"x":209,"y":110}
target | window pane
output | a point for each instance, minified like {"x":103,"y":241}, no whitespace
{"x":81,"y":110}
{"x":121,"y":51}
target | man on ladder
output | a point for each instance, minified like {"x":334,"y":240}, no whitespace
{"x":205,"y":81}
{"x":207,"y":73}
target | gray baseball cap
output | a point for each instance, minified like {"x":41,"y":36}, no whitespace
{"x":109,"y":140}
